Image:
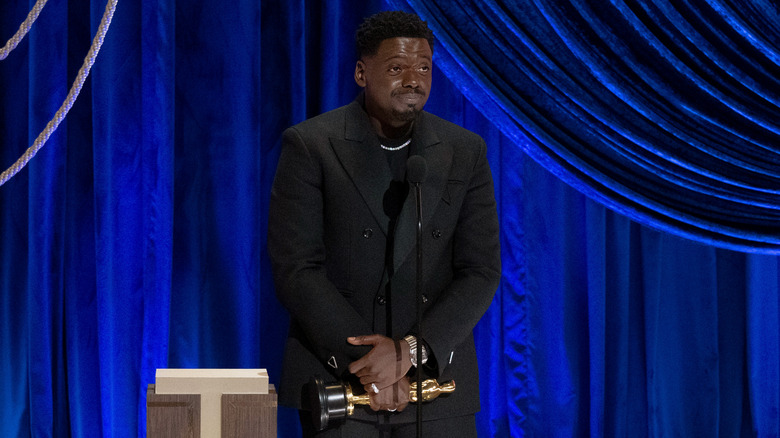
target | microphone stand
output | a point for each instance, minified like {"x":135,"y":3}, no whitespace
{"x":416,"y":169}
{"x":418,"y":192}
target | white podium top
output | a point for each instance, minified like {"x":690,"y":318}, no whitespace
{"x":204,"y":380}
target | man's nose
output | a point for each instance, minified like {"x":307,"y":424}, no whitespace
{"x":410,"y":78}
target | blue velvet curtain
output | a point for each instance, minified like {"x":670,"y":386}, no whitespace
{"x":664,"y":111}
{"x":135,"y":239}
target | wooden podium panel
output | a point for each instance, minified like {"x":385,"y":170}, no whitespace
{"x":172,"y":415}
{"x":211,"y":404}
{"x":247,"y":415}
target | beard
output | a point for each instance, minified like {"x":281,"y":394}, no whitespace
{"x":407,"y":115}
{"x":411,"y":111}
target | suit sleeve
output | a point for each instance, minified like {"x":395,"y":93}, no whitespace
{"x":476,"y":263}
{"x":297,"y":252}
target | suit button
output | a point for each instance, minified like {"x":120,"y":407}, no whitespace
{"x":424,"y":299}
{"x":367,"y":233}
{"x":436,"y":233}
{"x":381,"y":300}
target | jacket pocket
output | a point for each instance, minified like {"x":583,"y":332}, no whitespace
{"x":454,"y":186}
{"x":346,"y":292}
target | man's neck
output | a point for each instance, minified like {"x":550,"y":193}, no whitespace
{"x":388,"y":131}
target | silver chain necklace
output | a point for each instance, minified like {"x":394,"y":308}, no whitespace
{"x":397,"y":148}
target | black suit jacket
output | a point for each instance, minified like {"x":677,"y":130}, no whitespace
{"x":327,"y":238}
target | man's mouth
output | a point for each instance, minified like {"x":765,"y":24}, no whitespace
{"x":412,"y":92}
{"x":411,"y":97}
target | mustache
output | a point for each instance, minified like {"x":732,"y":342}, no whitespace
{"x":402,"y":91}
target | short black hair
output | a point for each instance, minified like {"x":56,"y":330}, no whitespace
{"x":389,"y":24}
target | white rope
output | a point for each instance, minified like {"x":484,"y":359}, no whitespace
{"x":23,"y":29}
{"x":75,"y":89}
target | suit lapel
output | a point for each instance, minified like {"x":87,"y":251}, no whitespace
{"x":364,"y":161}
{"x":438,"y":158}
{"x":366,"y":164}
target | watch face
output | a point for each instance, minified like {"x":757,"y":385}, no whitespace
{"x":412,"y":341}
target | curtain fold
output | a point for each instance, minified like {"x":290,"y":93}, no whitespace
{"x":14,"y":364}
{"x":47,"y":373}
{"x":633,"y":147}
{"x":666,"y":113}
{"x":132,"y":145}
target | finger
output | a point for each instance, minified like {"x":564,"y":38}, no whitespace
{"x":374,"y":402}
{"x":371,"y":389}
{"x":367,"y":381}
{"x":364,"y":373}
{"x":357,"y":366}
{"x":364,"y":340}
{"x":382,"y":403}
{"x":403,"y":393}
{"x":360,"y":371}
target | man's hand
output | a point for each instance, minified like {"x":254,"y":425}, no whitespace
{"x":384,"y":365}
{"x":393,"y":398}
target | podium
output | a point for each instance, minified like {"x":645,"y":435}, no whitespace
{"x":210,"y":403}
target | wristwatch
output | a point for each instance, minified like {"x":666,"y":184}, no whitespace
{"x":412,"y":341}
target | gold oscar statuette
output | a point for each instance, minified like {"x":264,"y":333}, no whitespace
{"x":337,"y":401}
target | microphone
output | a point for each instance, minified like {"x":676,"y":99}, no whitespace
{"x":416,"y":170}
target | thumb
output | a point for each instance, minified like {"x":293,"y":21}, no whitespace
{"x":364,"y":340}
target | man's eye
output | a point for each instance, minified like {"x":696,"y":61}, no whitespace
{"x":425,"y":68}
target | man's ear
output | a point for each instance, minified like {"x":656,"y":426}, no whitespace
{"x":360,"y":73}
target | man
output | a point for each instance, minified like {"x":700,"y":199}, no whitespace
{"x":342,"y":235}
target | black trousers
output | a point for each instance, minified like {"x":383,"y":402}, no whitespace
{"x":460,"y":427}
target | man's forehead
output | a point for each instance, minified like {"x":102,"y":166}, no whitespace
{"x":403,"y":47}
